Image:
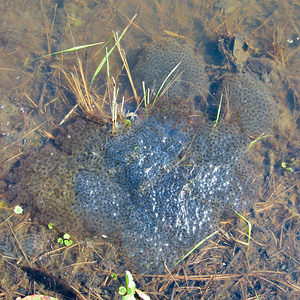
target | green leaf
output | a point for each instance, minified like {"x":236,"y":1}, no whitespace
{"x":18,"y":210}
{"x":130,"y":284}
{"x":122,"y":290}
{"x":66,"y":236}
{"x":60,"y":241}
{"x":68,"y":242}
{"x":50,"y":226}
{"x":287,"y":167}
{"x":114,"y":276}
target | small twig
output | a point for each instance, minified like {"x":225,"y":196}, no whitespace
{"x":19,"y":245}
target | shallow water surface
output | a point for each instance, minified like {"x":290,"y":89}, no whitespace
{"x":169,"y":166}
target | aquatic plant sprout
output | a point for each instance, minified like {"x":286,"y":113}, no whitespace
{"x":197,"y":246}
{"x":65,"y":240}
{"x":146,"y":97}
{"x":103,"y":61}
{"x":219,"y":111}
{"x":50,"y":225}
{"x":18,"y":210}
{"x":127,"y":292}
{"x":256,"y":140}
{"x":248,"y":226}
{"x":75,"y":48}
{"x":162,"y":85}
{"x":287,"y":166}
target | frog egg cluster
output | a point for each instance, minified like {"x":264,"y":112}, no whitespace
{"x":167,"y":218}
{"x":144,"y":152}
{"x":178,"y":203}
{"x":156,"y":187}
{"x":100,"y":204}
{"x":252,"y":100}
{"x":160,"y":58}
{"x":221,"y":145}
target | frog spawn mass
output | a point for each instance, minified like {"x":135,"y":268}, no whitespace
{"x":253,"y":102}
{"x":160,"y":58}
{"x":159,"y":203}
{"x":158,"y":187}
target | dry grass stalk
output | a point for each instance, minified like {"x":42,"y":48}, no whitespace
{"x":104,"y":108}
{"x":11,"y":158}
{"x":91,"y":104}
{"x":19,"y":245}
{"x":125,"y":63}
{"x":114,"y":105}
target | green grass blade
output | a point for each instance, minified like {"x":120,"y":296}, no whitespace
{"x":103,"y":61}
{"x":256,"y":296}
{"x":75,"y":48}
{"x":256,"y":140}
{"x":157,"y":94}
{"x":248,"y":225}
{"x":104,"y":46}
{"x":219,"y":111}
{"x":198,"y":245}
{"x":107,"y":66}
{"x":144,"y":91}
